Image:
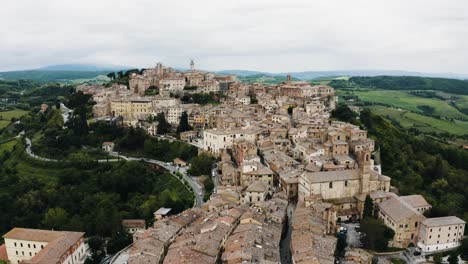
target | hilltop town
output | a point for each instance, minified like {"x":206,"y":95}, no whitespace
{"x":288,"y":177}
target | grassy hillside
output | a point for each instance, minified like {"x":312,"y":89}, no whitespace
{"x":429,"y":105}
{"x":412,"y":83}
{"x":427,"y":124}
{"x":6,"y":116}
{"x":403,"y":100}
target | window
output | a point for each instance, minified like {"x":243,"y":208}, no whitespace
{"x":330,"y":185}
{"x":21,"y":244}
{"x":29,"y":245}
{"x":346,"y":183}
{"x":416,"y":224}
{"x":34,"y":245}
{"x":15,"y":244}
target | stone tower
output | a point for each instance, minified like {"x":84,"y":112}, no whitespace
{"x":364,"y":162}
{"x":159,"y":70}
{"x":192,"y":65}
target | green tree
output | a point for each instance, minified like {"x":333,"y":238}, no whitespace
{"x":368,"y":207}
{"x":163,"y":126}
{"x":201,"y":165}
{"x":96,"y":246}
{"x":183,"y":124}
{"x":463,"y":249}
{"x":291,"y":110}
{"x":118,"y":242}
{"x":340,"y":245}
{"x":453,"y":257}
{"x":111,"y":75}
{"x":344,"y":113}
{"x":56,"y":218}
{"x":438,"y":258}
{"x":377,"y":234}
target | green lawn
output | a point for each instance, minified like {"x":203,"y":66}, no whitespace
{"x":4,"y":123}
{"x":421,"y":122}
{"x":403,"y":100}
{"x":462,"y":102}
{"x":8,"y":115}
{"x":8,"y":146}
{"x":397,"y":261}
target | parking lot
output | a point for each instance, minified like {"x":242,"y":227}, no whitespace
{"x":352,"y":235}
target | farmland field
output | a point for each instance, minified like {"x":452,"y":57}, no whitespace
{"x":6,"y":116}
{"x":403,"y":100}
{"x":422,"y":123}
{"x":4,"y":123}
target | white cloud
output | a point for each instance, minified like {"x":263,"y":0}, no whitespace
{"x":269,"y":35}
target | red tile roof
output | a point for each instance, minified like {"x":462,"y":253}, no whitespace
{"x":3,"y":253}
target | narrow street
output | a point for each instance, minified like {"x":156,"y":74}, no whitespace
{"x":285,"y":244}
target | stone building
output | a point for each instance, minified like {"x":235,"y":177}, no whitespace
{"x":35,"y":246}
{"x":440,"y":233}
{"x":401,"y":218}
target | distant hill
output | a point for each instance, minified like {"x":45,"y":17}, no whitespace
{"x":245,"y":73}
{"x":52,"y":76}
{"x":84,"y":67}
{"x":65,"y":73}
{"x":310,"y":75}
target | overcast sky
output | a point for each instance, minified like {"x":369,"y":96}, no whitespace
{"x":266,"y":35}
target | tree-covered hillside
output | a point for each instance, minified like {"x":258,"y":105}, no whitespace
{"x":405,"y":83}
{"x":50,"y":76}
{"x":422,"y":165}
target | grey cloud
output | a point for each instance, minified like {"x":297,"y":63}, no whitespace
{"x":268,"y":35}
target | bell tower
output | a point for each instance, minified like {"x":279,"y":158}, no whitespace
{"x":159,"y":70}
{"x":364,"y":162}
{"x":192,"y":65}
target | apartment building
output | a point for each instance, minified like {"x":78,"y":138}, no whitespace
{"x":216,"y":140}
{"x":172,"y":85}
{"x":131,"y":108}
{"x":440,"y":233}
{"x":35,"y":246}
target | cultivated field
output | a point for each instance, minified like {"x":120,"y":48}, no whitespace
{"x":422,"y":123}
{"x":405,"y":101}
{"x":6,"y":116}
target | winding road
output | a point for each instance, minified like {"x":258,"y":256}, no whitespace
{"x":196,"y":187}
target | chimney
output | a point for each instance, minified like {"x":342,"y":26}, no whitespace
{"x":289,"y":77}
